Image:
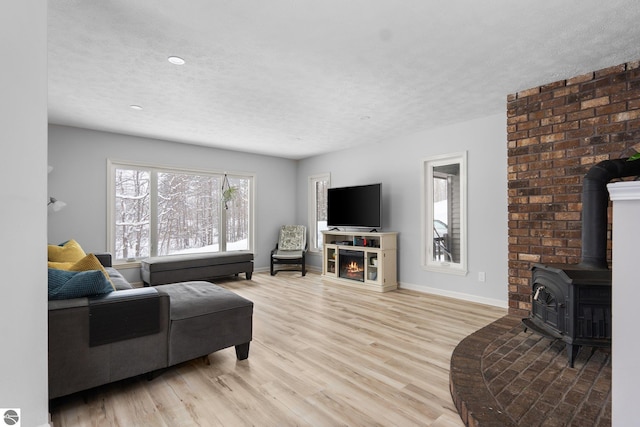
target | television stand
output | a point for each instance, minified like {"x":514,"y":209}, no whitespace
{"x":362,"y":259}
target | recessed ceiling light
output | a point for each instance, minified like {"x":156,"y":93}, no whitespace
{"x":135,"y":107}
{"x":176,"y":60}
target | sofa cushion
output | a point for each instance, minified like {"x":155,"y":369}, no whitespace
{"x":197,"y":298}
{"x":69,"y":251}
{"x":75,"y":284}
{"x":118,"y":281}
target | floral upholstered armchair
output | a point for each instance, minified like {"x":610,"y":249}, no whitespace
{"x":291,"y":248}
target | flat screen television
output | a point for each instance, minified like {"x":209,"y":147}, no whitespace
{"x":357,"y":206}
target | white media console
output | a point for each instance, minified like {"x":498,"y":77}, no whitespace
{"x":365,"y":260}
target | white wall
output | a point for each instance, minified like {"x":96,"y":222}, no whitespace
{"x":79,"y":178}
{"x":397,"y":164}
{"x":23,"y":173}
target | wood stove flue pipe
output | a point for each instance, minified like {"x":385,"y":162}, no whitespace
{"x":595,"y":200}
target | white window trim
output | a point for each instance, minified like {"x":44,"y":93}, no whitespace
{"x":427,"y":214}
{"x":112,"y":164}
{"x":311,"y":209}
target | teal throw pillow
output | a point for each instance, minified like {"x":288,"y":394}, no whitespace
{"x":65,"y":284}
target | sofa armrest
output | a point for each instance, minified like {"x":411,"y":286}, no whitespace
{"x":104,"y":258}
{"x":123,"y":315}
{"x":123,"y":295}
{"x":74,"y":365}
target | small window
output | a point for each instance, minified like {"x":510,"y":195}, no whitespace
{"x":444,"y":213}
{"x":318,"y":185}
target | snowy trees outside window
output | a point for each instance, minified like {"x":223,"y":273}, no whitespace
{"x":161,"y":212}
{"x":132,"y":214}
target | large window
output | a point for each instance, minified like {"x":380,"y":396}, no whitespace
{"x":159,"y":211}
{"x":318,"y":185}
{"x":444,"y":214}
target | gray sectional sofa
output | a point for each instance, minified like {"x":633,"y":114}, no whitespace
{"x":132,"y":331}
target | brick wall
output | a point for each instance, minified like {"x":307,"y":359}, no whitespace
{"x":556,"y":132}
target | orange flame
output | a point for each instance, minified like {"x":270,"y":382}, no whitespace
{"x":353,"y":267}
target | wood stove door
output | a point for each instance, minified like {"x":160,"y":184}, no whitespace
{"x":548,"y":304}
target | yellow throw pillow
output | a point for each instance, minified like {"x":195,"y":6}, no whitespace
{"x":68,"y":252}
{"x":89,"y":262}
{"x":60,"y":265}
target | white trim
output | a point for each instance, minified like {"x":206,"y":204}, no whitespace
{"x":111,"y":237}
{"x":126,"y":265}
{"x":311,"y":209}
{"x":456,"y":295}
{"x":310,"y":268}
{"x":174,"y":168}
{"x":625,"y":190}
{"x":427,"y":214}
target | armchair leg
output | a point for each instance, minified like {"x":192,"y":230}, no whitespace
{"x":304,"y":264}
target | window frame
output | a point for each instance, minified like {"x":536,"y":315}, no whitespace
{"x":428,"y":216}
{"x":154,"y":169}
{"x":314,"y":245}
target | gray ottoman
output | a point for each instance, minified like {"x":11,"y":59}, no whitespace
{"x":200,"y":266}
{"x":206,"y":318}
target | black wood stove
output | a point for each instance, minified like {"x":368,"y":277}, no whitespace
{"x":573,"y":302}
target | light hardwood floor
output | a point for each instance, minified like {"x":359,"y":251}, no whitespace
{"x":322,"y":354}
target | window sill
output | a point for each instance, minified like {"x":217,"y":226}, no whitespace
{"x":124,"y":265}
{"x":447,"y":268}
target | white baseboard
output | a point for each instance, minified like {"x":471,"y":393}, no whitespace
{"x":427,"y":290}
{"x":452,"y":294}
{"x":312,"y":268}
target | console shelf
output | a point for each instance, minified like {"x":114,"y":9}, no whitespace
{"x":365,"y":260}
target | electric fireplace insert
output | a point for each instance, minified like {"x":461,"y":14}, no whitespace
{"x":351,"y":265}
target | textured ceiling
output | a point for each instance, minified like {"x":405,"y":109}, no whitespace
{"x":297,"y":78}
